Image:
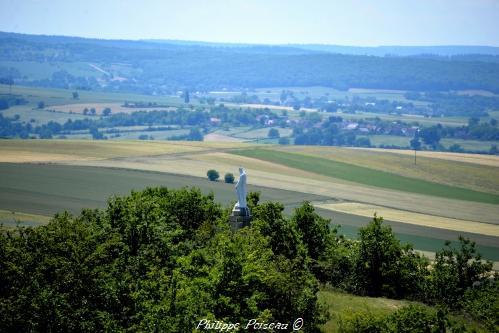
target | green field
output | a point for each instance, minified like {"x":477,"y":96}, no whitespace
{"x":38,"y":70}
{"x":28,"y":113}
{"x":12,"y":218}
{"x":388,"y":140}
{"x":404,"y":141}
{"x":53,"y":96}
{"x":262,"y":133}
{"x":367,"y":176}
{"x":273,"y":93}
{"x":470,"y":145}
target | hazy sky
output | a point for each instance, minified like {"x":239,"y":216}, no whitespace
{"x":348,"y":22}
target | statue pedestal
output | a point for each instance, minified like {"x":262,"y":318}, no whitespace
{"x":240,"y":218}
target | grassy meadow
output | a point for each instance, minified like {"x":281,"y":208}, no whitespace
{"x":342,"y":306}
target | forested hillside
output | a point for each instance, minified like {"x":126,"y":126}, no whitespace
{"x":153,"y":67}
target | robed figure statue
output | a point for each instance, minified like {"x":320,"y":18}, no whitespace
{"x":241,"y":215}
{"x":241,"y":190}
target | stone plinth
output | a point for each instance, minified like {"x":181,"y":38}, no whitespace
{"x":240,"y":218}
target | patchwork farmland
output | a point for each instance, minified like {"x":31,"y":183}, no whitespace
{"x":346,"y":185}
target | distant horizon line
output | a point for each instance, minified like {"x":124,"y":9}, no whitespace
{"x":288,"y":44}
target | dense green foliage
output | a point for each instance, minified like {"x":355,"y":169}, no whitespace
{"x":162,"y":260}
{"x":157,"y":260}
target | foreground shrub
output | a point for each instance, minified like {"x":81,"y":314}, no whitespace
{"x":409,"y":319}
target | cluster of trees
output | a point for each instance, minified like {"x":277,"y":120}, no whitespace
{"x":452,"y":104}
{"x":161,"y":260}
{"x":161,"y":67}
{"x":7,"y":101}
{"x":474,"y":130}
{"x":213,"y":175}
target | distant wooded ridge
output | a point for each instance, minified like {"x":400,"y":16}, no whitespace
{"x":380,"y":51}
{"x":160,"y":66}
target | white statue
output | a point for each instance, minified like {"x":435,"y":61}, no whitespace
{"x":241,"y":190}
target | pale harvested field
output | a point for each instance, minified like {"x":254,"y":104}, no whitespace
{"x":475,"y":176}
{"x":413,"y":218}
{"x":215,"y":137}
{"x":373,"y":91}
{"x":272,"y":107}
{"x":35,"y":157}
{"x":9,"y":218}
{"x":115,"y":108}
{"x":57,"y":150}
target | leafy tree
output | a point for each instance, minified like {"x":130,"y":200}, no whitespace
{"x":75,"y":95}
{"x":273,"y":133}
{"x":473,"y":121}
{"x":456,"y":269}
{"x":229,"y":178}
{"x":285,"y":239}
{"x":195,"y":135}
{"x":284,"y":141}
{"x":213,"y":175}
{"x":385,"y":267}
{"x":96,"y":135}
{"x":187,"y":99}
{"x":4,"y":105}
{"x":363,"y":142}
{"x":106,"y":112}
{"x":415,"y":143}
{"x":314,"y":230}
{"x":41,"y":105}
{"x":431,"y":135}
